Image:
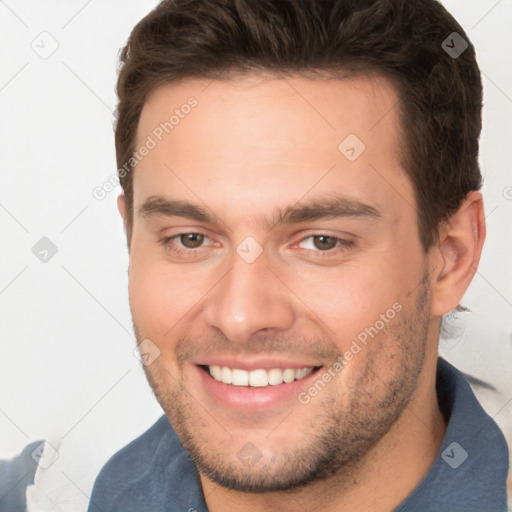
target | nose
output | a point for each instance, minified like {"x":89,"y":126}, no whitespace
{"x":248,"y":300}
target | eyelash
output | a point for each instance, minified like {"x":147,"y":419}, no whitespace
{"x":341,"y":244}
{"x":165,"y":241}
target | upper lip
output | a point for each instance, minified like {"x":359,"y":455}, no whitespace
{"x":256,"y":363}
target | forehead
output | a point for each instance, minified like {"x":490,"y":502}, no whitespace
{"x":254,"y":138}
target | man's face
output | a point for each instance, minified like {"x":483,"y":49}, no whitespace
{"x":267,"y":237}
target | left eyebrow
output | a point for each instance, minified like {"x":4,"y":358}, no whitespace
{"x":329,"y":207}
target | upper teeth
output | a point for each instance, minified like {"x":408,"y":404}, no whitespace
{"x":258,"y":378}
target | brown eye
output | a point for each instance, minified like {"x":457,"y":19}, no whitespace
{"x":324,"y":242}
{"x":191,"y":240}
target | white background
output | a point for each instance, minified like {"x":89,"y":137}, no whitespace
{"x":67,"y":370}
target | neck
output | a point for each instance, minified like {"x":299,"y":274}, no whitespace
{"x":378,"y":482}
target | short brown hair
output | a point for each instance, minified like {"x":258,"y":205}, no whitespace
{"x":440,"y":95}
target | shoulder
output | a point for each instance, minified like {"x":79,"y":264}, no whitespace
{"x":470,"y":470}
{"x":140,"y":450}
{"x":130,"y":474}
{"x":467,"y":418}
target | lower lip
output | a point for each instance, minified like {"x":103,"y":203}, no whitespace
{"x":253,"y":399}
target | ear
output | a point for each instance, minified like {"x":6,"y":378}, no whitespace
{"x":121,"y":206}
{"x":456,"y":255}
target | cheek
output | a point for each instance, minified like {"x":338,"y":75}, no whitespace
{"x":353,"y":298}
{"x":161,"y":295}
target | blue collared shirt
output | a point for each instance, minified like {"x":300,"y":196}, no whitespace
{"x":154,"y":473}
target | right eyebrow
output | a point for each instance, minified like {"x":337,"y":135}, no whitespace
{"x":156,"y":205}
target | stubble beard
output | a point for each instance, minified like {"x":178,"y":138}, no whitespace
{"x":346,"y":424}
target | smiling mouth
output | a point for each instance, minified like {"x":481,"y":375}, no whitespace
{"x":257,"y":378}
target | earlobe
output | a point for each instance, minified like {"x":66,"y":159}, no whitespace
{"x":457,"y":254}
